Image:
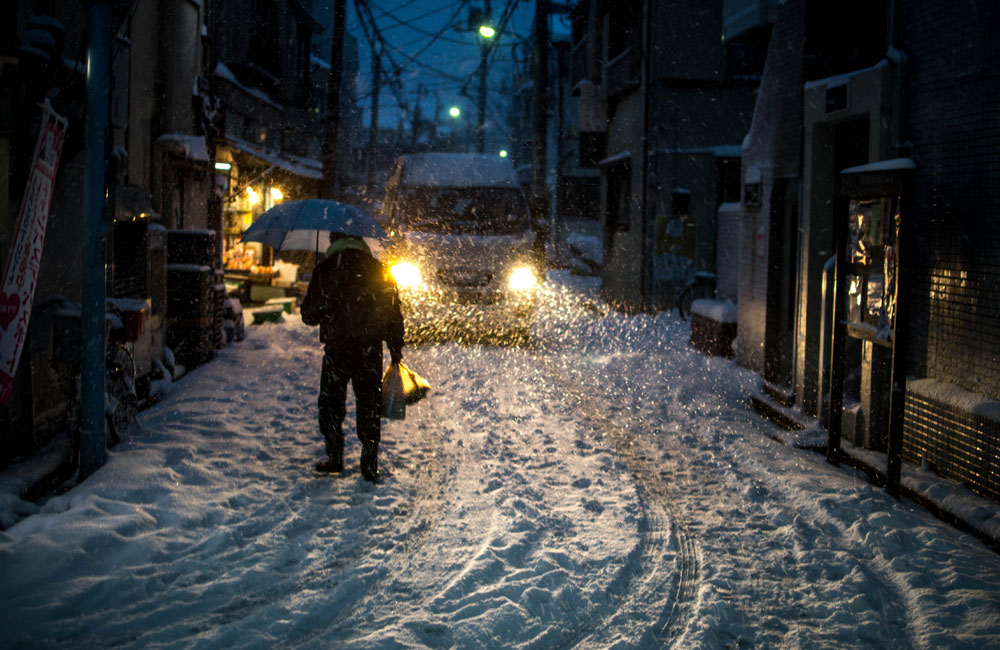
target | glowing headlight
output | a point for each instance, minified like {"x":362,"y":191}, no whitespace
{"x":405,"y":274}
{"x":522,"y":278}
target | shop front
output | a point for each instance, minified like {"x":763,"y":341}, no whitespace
{"x":253,"y":180}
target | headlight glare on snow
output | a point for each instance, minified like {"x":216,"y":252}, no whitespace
{"x":406,"y":274}
{"x":521,"y":278}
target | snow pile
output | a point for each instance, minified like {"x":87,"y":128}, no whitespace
{"x":606,"y":486}
{"x":720,"y":311}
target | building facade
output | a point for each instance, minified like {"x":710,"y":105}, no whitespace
{"x":666,"y":99}
{"x":897,"y":89}
{"x":205,"y":101}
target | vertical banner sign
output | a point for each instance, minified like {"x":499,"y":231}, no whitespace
{"x":21,"y":273}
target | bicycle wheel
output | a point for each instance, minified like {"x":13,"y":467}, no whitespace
{"x":121,"y":402}
{"x":695,"y":290}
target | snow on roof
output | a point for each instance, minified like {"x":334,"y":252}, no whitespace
{"x":719,"y":151}
{"x":840,"y":79}
{"x":305,"y":167}
{"x":881,"y":166}
{"x":318,"y":62}
{"x":191,"y":147}
{"x":458,"y":170}
{"x":223,"y":72}
{"x":618,"y":157}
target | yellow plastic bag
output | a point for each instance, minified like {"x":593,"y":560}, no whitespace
{"x":414,"y":386}
{"x":393,"y":397}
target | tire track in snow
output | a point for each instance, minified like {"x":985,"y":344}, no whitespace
{"x":647,"y":583}
{"x":719,"y":482}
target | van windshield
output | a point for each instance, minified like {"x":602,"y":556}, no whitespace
{"x":473,"y":211}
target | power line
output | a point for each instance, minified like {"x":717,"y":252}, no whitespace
{"x":410,"y":24}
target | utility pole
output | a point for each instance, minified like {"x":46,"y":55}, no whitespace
{"x":484,"y":52}
{"x":539,"y":190}
{"x":93,"y":447}
{"x":329,"y":189}
{"x":418,"y":115}
{"x":562,"y":54}
{"x":373,"y":131}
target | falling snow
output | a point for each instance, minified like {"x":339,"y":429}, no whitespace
{"x":602,"y":486}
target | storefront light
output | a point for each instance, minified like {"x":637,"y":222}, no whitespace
{"x":223,"y":166}
{"x":276,"y":194}
{"x":252,"y":196}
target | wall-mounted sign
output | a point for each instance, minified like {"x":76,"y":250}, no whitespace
{"x":17,"y":292}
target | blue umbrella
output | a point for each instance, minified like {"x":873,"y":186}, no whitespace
{"x":305,"y":224}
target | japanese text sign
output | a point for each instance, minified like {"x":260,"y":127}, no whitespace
{"x":20,"y":275}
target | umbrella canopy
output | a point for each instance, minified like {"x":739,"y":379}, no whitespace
{"x":305,"y":224}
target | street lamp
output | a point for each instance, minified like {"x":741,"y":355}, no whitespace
{"x":454,"y":111}
{"x":486,"y":31}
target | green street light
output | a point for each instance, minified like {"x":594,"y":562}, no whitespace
{"x":486,"y":31}
{"x":454,"y":111}
{"x":503,"y":153}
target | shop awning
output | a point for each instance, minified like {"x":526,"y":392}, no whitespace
{"x":191,"y":147}
{"x":304,"y":167}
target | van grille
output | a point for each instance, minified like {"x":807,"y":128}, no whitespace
{"x":464,"y":278}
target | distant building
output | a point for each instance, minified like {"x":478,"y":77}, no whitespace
{"x":665,"y":130}
{"x":574,"y":187}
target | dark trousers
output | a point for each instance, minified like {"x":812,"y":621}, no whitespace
{"x":362,"y":366}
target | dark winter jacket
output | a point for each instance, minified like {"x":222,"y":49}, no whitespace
{"x":354,"y":301}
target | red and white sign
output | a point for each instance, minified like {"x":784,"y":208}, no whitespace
{"x":21,"y":273}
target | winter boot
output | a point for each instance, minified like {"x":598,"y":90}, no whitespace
{"x":369,"y":461}
{"x":334,"y":463}
{"x":329,"y":466}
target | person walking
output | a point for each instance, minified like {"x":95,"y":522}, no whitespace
{"x":356,"y":305}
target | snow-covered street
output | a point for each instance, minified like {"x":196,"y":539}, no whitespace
{"x":606,"y":486}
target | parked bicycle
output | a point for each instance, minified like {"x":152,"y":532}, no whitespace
{"x":701,"y":285}
{"x":121,"y":402}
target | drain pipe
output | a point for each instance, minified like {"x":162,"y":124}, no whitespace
{"x":92,"y":334}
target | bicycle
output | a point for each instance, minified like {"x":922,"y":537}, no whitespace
{"x":701,"y":285}
{"x":121,"y":403}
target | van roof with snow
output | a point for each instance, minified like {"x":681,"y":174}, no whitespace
{"x":457,"y":170}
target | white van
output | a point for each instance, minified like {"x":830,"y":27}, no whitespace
{"x":463,"y":249}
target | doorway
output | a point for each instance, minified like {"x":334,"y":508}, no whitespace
{"x":782,"y":265}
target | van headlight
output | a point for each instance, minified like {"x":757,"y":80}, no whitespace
{"x":521,"y":278}
{"x":406,"y":274}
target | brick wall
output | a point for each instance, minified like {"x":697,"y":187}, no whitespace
{"x":952,"y":118}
